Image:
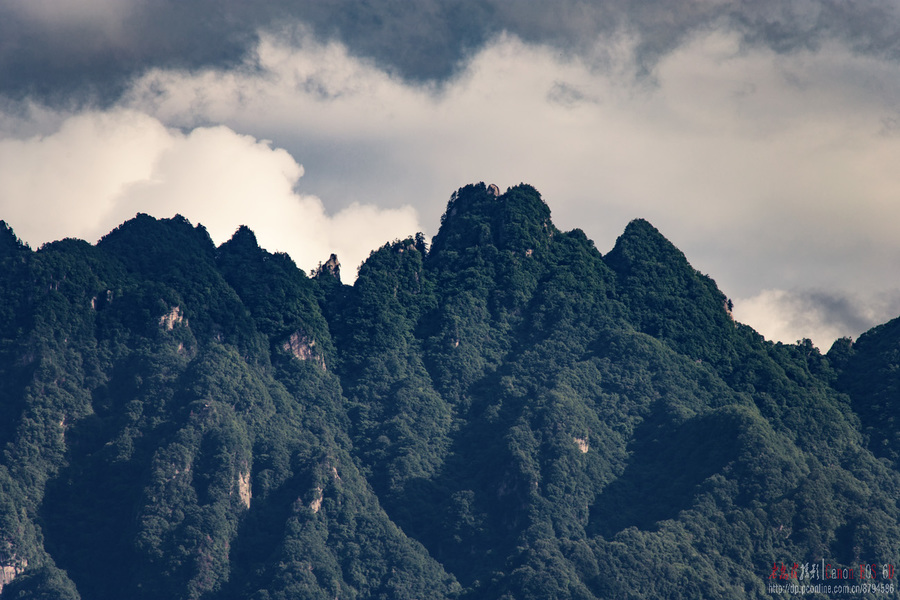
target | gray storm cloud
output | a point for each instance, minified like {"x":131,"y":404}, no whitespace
{"x":54,"y":48}
{"x":821,"y":315}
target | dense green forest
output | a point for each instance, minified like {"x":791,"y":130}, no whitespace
{"x":503,"y":413}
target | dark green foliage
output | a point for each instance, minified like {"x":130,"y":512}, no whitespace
{"x":44,"y":583}
{"x":667,"y":298}
{"x":278,"y":295}
{"x":870,"y":373}
{"x":154,"y":394}
{"x":506,"y":415}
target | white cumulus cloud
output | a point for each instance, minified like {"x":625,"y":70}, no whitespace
{"x":101,"y":168}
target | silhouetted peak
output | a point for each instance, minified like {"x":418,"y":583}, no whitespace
{"x":146,"y":242}
{"x":642,"y":243}
{"x":244,"y":243}
{"x":478,"y":215}
{"x":144,"y":225}
{"x":667,"y":297}
{"x":244,"y":238}
{"x":9,"y":243}
{"x":330,"y":268}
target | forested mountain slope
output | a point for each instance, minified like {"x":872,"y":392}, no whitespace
{"x":506,"y":414}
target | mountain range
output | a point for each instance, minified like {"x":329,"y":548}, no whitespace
{"x":504,"y":413}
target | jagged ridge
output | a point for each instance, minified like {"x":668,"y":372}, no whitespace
{"x":508,"y":414}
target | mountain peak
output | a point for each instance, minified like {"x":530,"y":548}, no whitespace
{"x":244,"y":238}
{"x":478,"y":215}
{"x":9,"y":243}
{"x":667,"y":297}
{"x":330,"y":268}
{"x":146,"y":242}
{"x":642,"y":243}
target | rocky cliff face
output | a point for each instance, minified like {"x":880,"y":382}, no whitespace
{"x":9,"y":572}
{"x":302,"y":347}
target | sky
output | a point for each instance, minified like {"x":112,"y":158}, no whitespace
{"x":761,"y":137}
